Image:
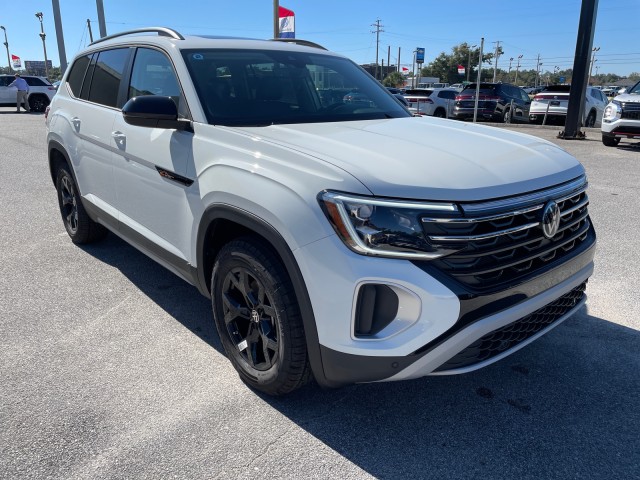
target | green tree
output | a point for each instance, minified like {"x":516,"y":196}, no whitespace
{"x":394,"y":79}
{"x":445,"y":66}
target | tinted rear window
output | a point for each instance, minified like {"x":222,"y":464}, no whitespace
{"x":557,"y":88}
{"x":484,"y":88}
{"x":76,"y":75}
{"x":107,"y":75}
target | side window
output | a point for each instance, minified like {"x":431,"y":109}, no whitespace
{"x":76,"y":75}
{"x":524,"y":95}
{"x":34,"y":82}
{"x":4,"y":81}
{"x":153,"y":74}
{"x":448,"y":94}
{"x":107,"y":74}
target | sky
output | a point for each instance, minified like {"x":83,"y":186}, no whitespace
{"x":529,"y":28}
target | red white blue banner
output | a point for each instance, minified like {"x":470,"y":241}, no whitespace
{"x":287,"y":23}
{"x":15,"y":60}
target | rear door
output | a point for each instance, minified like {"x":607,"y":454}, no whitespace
{"x":91,"y":118}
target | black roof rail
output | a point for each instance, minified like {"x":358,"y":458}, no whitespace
{"x":162,"y":31}
{"x":299,"y":41}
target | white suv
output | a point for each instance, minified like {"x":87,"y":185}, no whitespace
{"x":345,"y":241}
{"x":41,"y":91}
{"x":622,"y":117}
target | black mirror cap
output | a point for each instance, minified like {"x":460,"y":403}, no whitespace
{"x":153,"y":111}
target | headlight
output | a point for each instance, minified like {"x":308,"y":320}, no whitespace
{"x":613,"y":111}
{"x":388,"y":228}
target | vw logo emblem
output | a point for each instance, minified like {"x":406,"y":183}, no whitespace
{"x":255,"y":317}
{"x":550,"y":219}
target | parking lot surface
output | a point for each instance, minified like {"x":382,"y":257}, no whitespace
{"x":110,"y":366}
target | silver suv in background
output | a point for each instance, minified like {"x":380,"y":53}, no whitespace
{"x":436,"y":102}
{"x":41,"y":91}
{"x":621,"y":117}
{"x":346,"y":241}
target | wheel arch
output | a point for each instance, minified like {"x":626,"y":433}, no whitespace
{"x":58,"y":157}
{"x":222,"y":223}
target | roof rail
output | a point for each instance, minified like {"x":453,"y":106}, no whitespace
{"x":162,"y":31}
{"x":299,"y":41}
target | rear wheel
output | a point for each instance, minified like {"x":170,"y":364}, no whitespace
{"x":38,"y":103}
{"x":258,"y":319}
{"x":610,"y":141}
{"x":590,"y":122}
{"x":76,"y":221}
{"x":440,"y":113}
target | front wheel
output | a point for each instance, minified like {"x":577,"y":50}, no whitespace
{"x":610,"y":141}
{"x":38,"y":103}
{"x":77,"y":222}
{"x":258,"y":319}
{"x":590,"y":122}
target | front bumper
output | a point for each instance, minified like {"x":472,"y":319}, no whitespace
{"x":458,"y":348}
{"x":629,"y":128}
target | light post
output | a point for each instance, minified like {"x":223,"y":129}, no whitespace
{"x":509,"y":71}
{"x":44,"y":46}
{"x":556,"y":69}
{"x":469,"y":62}
{"x":538,"y":74}
{"x":6,"y":44}
{"x":593,"y":60}
{"x":515,"y":82}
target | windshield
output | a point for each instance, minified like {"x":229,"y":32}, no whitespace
{"x":263,"y":87}
{"x":635,"y":89}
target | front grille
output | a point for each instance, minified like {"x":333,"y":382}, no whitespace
{"x":631,"y":110}
{"x":501,"y":242}
{"x":509,"y":336}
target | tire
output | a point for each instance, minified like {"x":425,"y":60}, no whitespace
{"x":440,"y":113}
{"x":590,"y":122}
{"x":258,"y":318}
{"x":610,"y":141}
{"x":38,"y":103}
{"x":506,"y":117}
{"x":76,"y":221}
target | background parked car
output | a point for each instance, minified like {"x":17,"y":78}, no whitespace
{"x":554,"y":101}
{"x":622,"y":117}
{"x":437,"y":102}
{"x":40,"y":92}
{"x":494,"y":103}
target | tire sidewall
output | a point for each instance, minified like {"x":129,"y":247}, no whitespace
{"x":64,"y":173}
{"x":226,"y":262}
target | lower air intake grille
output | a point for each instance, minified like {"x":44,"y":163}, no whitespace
{"x":509,"y":336}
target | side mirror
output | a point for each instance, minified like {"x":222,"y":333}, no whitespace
{"x":153,"y":111}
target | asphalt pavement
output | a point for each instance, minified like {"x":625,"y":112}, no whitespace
{"x":110,"y":366}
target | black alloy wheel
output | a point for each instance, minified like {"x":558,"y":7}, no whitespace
{"x":76,"y":221}
{"x":258,"y":318}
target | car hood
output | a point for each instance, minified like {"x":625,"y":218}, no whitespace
{"x":431,"y":159}
{"x":628,"y":97}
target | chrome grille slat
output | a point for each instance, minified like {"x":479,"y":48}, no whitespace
{"x":499,"y":246}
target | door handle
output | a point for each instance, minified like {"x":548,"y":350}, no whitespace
{"x":75,"y":121}
{"x":120,"y":139}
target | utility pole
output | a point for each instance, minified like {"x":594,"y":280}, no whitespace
{"x":90,"y":32}
{"x":101,"y":22}
{"x":398,"y":69}
{"x":475,"y":107}
{"x":509,"y":72}
{"x":469,"y":62}
{"x":6,"y":44}
{"x":515,"y":82}
{"x":593,"y":60}
{"x":57,"y":20}
{"x":44,"y":46}
{"x":497,"y":56}
{"x":377,"y":32}
{"x":538,"y":64}
{"x":388,"y":59}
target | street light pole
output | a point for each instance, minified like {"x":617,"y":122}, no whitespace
{"x":509,"y":72}
{"x":44,"y":46}
{"x":6,"y":44}
{"x":515,"y":82}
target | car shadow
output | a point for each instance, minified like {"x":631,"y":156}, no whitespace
{"x":178,"y":298}
{"x":564,"y":407}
